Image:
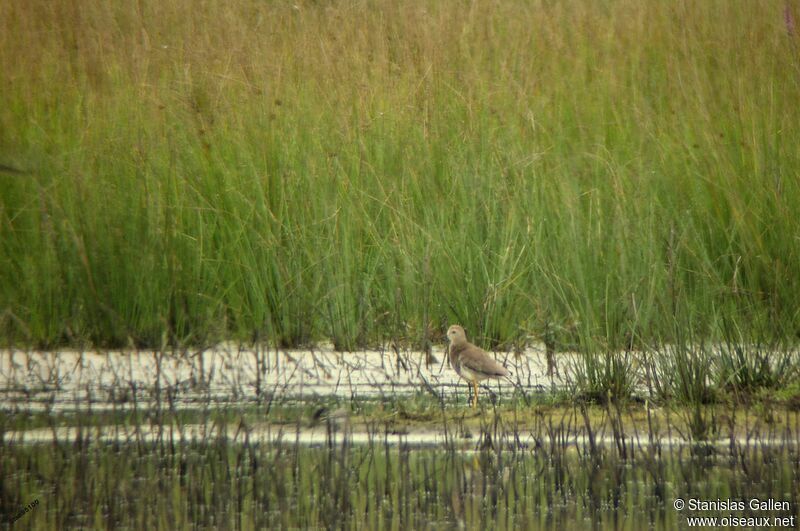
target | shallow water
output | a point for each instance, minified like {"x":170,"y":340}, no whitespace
{"x":212,"y":483}
{"x":341,"y":432}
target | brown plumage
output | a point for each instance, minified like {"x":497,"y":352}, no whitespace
{"x":472,"y":363}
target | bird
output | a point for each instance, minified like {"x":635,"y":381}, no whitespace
{"x":470,"y":362}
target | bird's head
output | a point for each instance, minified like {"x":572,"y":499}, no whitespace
{"x":456,"y":335}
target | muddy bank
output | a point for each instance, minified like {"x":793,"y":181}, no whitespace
{"x":228,"y":374}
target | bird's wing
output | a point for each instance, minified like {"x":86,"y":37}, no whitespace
{"x":477,"y":360}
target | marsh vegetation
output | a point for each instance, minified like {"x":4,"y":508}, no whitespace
{"x":190,"y":451}
{"x":369,"y":172}
{"x":157,"y":473}
{"x":614,"y":186}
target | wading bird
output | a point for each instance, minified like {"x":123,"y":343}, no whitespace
{"x":470,"y":362}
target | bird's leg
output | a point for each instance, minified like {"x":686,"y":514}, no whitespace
{"x":471,"y":393}
{"x":475,"y":384}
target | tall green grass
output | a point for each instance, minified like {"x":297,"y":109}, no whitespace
{"x":365,"y":171}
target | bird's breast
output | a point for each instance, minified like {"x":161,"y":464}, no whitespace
{"x":468,"y":374}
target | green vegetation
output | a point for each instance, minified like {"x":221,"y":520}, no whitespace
{"x":604,"y":174}
{"x":616,"y":178}
{"x":213,"y":481}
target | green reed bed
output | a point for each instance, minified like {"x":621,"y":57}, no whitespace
{"x":368,"y":171}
